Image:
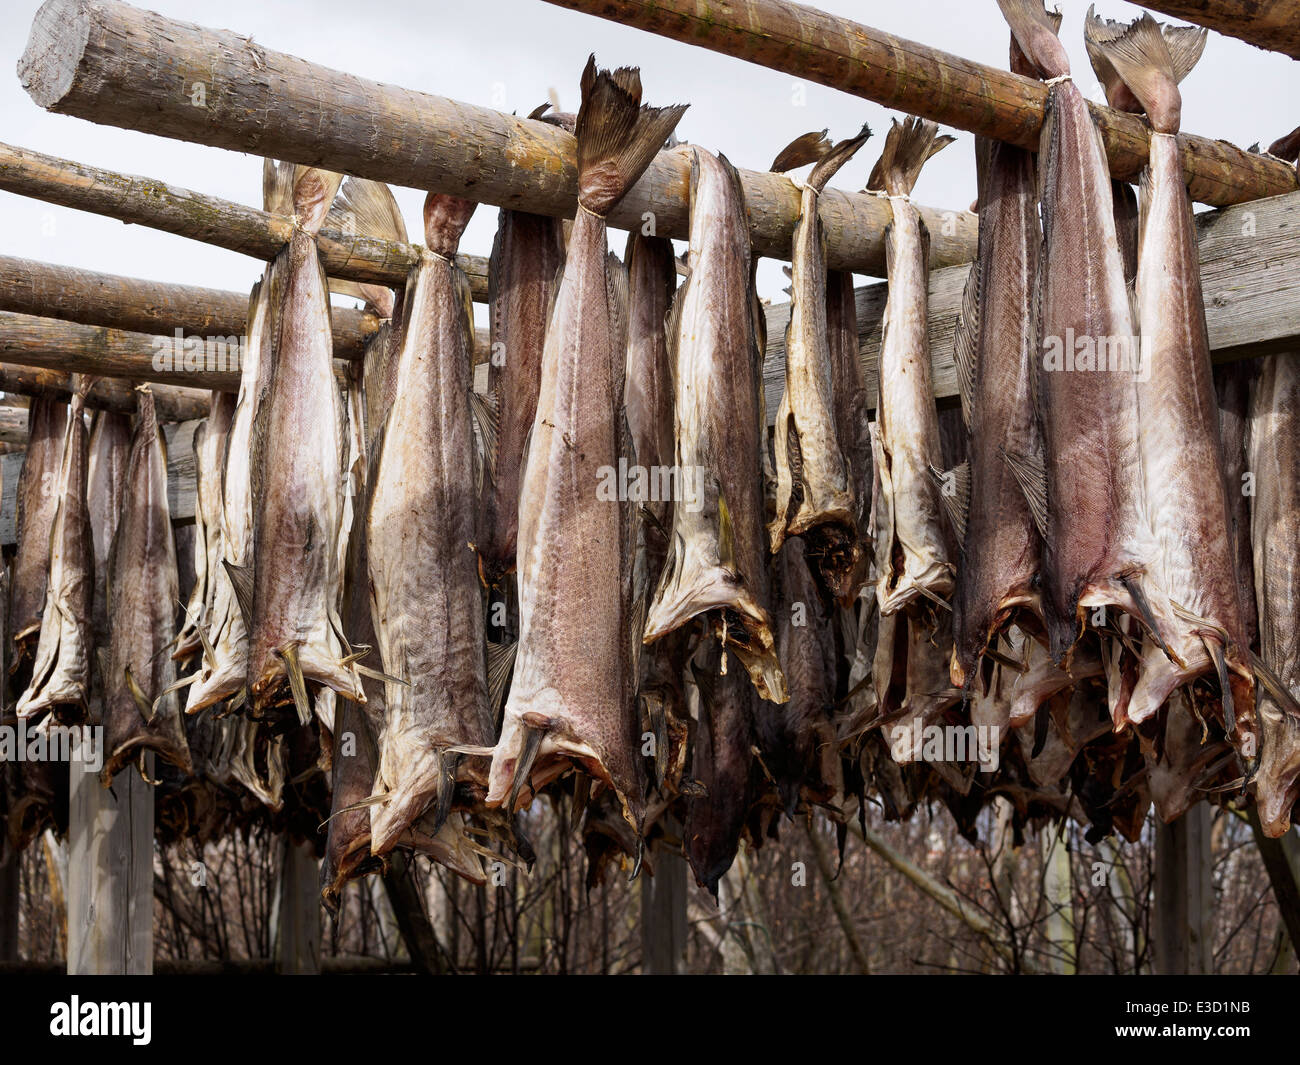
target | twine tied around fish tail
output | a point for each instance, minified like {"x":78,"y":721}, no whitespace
{"x":583,"y":207}
{"x":1058,"y":80}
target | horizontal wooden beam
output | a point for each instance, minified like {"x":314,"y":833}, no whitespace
{"x":1273,"y":25}
{"x":112,"y":63}
{"x":897,"y":73}
{"x":173,"y":403}
{"x":1250,"y":277}
{"x":91,"y":298}
{"x":13,"y":425}
{"x":209,"y":219}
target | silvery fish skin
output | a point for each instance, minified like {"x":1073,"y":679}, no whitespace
{"x":813,"y":493}
{"x":1097,"y":541}
{"x":61,"y":670}
{"x":1274,"y":443}
{"x":571,"y":695}
{"x":527,"y":256}
{"x":1198,"y":611}
{"x":140,"y":714}
{"x":210,"y":440}
{"x":298,"y":465}
{"x":37,"y":501}
{"x":426,"y":598}
{"x":914,"y":550}
{"x":718,"y":557}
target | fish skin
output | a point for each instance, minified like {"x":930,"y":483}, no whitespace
{"x":813,"y":493}
{"x":297,"y":462}
{"x":1097,"y":535}
{"x":1274,"y":442}
{"x":142,"y":595}
{"x":37,"y":501}
{"x":1001,"y":551}
{"x":106,"y":466}
{"x":718,"y":403}
{"x":573,"y":688}
{"x":523,"y":275}
{"x":61,"y":670}
{"x":852,"y":412}
{"x":210,"y":440}
{"x":427,"y":603}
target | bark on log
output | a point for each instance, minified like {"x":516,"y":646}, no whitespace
{"x":209,"y":219}
{"x":115,"y":64}
{"x":856,"y":59}
{"x":1273,"y":25}
{"x":91,"y":298}
{"x":174,"y":403}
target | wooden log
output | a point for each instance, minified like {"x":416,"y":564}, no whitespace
{"x":209,"y":219}
{"x":115,"y":64}
{"x":13,"y":425}
{"x":298,"y":942}
{"x":174,"y":403}
{"x":1250,"y":276}
{"x":1281,"y":858}
{"x":857,"y":59}
{"x":92,"y":298}
{"x":1273,"y":25}
{"x":1184,"y":897}
{"x":404,"y":896}
{"x":110,"y":873}
{"x":663,"y":911}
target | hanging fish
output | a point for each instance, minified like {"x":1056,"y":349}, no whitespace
{"x":141,"y":714}
{"x":61,"y":671}
{"x":571,"y":696}
{"x":106,"y":466}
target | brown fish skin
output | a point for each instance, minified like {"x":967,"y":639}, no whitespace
{"x":37,"y":501}
{"x":142,"y":595}
{"x":1001,"y":549}
{"x":106,"y":466}
{"x":1181,"y":451}
{"x":297,"y":463}
{"x":852,"y":404}
{"x":61,"y":670}
{"x":523,"y":275}
{"x":718,"y":556}
{"x":210,"y":441}
{"x":572,"y":692}
{"x":1097,"y":542}
{"x":1274,"y":442}
{"x":426,"y":599}
{"x":813,"y":497}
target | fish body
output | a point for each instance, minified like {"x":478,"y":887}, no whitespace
{"x":109,"y":456}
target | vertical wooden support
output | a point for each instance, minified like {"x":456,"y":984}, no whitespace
{"x":110,"y":873}
{"x":408,"y":908}
{"x":663,"y":914}
{"x":1183,"y":895}
{"x":1281,"y":859}
{"x":297,"y":947}
{"x":1059,"y":892}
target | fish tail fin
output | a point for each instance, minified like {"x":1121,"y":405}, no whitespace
{"x":1287,"y":148}
{"x":804,"y":149}
{"x":366,"y":208}
{"x":908,"y":144}
{"x":277,"y":187}
{"x":1150,"y":62}
{"x":445,"y":219}
{"x":314,"y":189}
{"x":1035,"y":30}
{"x":836,"y":157}
{"x":617,"y":135}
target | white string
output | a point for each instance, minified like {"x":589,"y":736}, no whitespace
{"x":1058,"y":79}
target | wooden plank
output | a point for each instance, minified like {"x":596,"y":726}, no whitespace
{"x":115,"y":64}
{"x":91,"y":298}
{"x":1270,"y":24}
{"x":210,"y":219}
{"x":110,"y":873}
{"x":1250,"y":275}
{"x":866,"y":62}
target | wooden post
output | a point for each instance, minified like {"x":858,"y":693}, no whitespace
{"x":412,"y":920}
{"x":663,"y":912}
{"x":113,"y":63}
{"x":110,"y":873}
{"x":1281,"y":858}
{"x":1183,"y":895}
{"x":1270,"y":24}
{"x":210,"y":219}
{"x":297,"y":944}
{"x":857,"y":59}
{"x":74,"y":295}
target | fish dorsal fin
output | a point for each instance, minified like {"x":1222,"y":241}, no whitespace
{"x":804,"y":149}
{"x":485,"y":415}
{"x":277,"y":187}
{"x":500,"y":667}
{"x":965,"y":342}
{"x":314,"y":189}
{"x":1031,"y":474}
{"x":954,"y":490}
{"x":1035,"y":30}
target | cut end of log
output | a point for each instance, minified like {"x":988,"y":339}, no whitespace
{"x":49,"y":64}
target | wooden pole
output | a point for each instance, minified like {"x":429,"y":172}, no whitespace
{"x":298,"y":939}
{"x":663,"y":911}
{"x":1281,"y":858}
{"x":112,"y":63}
{"x":1270,"y":24}
{"x":412,"y":921}
{"x":110,"y":873}
{"x":91,"y":298}
{"x":209,"y":219}
{"x":857,"y":59}
{"x":1184,"y":895}
{"x":174,"y":403}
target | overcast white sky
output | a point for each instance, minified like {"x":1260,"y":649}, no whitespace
{"x":508,"y":54}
